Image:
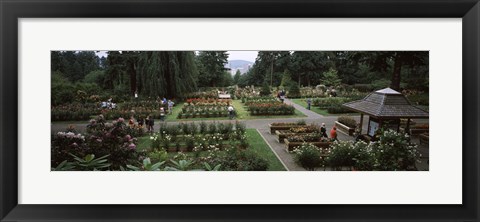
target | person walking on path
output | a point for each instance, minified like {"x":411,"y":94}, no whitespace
{"x":149,"y":122}
{"x":231,"y":111}
{"x":309,"y":103}
{"x":333,"y":133}
{"x":162,"y":114}
{"x":282,"y":96}
{"x":323,"y":131}
{"x":170,"y":106}
{"x":140,"y":122}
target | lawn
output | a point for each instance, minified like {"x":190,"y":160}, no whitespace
{"x":257,"y":145}
{"x":316,"y":109}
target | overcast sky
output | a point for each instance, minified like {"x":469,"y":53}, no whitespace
{"x":232,"y":55}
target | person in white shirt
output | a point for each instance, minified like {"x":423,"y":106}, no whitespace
{"x":231,"y":111}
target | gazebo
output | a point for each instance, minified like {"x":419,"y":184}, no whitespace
{"x":385,"y":108}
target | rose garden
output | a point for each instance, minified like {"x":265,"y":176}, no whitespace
{"x":288,"y":112}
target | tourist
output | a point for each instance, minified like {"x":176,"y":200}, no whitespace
{"x":170,"y":106}
{"x":131,"y":122}
{"x":231,"y":111}
{"x":140,"y":122}
{"x":309,"y":103}
{"x":149,"y":122}
{"x":164,"y":100}
{"x":282,"y":96}
{"x":162,"y":114}
{"x":323,"y":131}
{"x":333,"y":133}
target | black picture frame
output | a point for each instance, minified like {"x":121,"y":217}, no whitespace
{"x":11,"y":11}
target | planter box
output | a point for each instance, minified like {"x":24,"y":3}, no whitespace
{"x":281,"y":127}
{"x":417,"y":131}
{"x":423,"y":138}
{"x":283,"y":134}
{"x":345,"y":129}
{"x":291,"y":145}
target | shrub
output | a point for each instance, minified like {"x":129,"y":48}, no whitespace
{"x":242,"y":160}
{"x":294,"y":91}
{"x":112,"y":138}
{"x":342,"y":154}
{"x":158,"y":155}
{"x":265,"y":90}
{"x":101,"y":139}
{"x":308,"y":156}
{"x":347,"y":121}
{"x":337,"y":110}
{"x":393,"y":151}
{"x":65,"y":143}
{"x":212,"y":128}
{"x":203,"y":128}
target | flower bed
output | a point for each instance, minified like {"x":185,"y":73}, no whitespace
{"x":290,"y":146}
{"x":302,"y":130}
{"x":262,"y":106}
{"x":78,"y":111}
{"x":204,"y":108}
{"x":102,"y":138}
{"x":186,"y":136}
{"x":253,"y":100}
{"x":313,"y":138}
{"x":272,"y":108}
{"x":284,"y":126}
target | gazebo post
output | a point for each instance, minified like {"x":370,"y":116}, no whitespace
{"x":361,"y":124}
{"x":407,"y":129}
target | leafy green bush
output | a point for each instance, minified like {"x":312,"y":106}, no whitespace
{"x":337,"y":110}
{"x":265,"y":90}
{"x":158,"y":155}
{"x":102,"y":138}
{"x":294,"y":91}
{"x":347,"y":121}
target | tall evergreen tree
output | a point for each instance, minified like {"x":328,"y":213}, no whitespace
{"x":212,"y":69}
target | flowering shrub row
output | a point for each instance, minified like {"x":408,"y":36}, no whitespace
{"x":312,"y":137}
{"x":79,"y":111}
{"x":101,"y":139}
{"x":305,"y":129}
{"x":205,"y":108}
{"x":274,"y":108}
{"x":252,"y":100}
{"x":392,"y":152}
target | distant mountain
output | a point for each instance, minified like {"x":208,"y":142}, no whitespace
{"x":241,"y":65}
{"x":238,"y":63}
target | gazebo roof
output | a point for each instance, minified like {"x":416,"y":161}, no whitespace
{"x":386,"y":103}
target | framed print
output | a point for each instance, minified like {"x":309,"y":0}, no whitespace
{"x":143,"y":72}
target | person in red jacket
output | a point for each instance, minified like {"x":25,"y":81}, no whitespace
{"x":333,"y":133}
